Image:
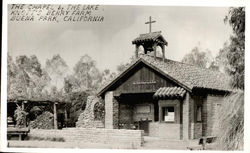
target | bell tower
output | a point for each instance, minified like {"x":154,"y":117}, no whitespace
{"x":150,"y":41}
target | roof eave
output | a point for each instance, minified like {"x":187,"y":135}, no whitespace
{"x":189,"y":89}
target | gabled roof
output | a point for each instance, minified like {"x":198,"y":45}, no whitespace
{"x":152,"y":36}
{"x":185,"y":75}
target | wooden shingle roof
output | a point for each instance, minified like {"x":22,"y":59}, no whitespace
{"x":186,"y":75}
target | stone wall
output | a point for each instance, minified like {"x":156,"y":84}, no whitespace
{"x":115,"y":137}
{"x":87,"y":118}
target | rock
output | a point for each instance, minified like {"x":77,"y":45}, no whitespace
{"x":87,"y":118}
{"x":43,"y":121}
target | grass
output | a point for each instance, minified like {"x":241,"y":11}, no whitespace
{"x":231,"y":122}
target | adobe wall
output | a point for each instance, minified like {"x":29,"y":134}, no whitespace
{"x":168,"y":130}
{"x":111,"y":111}
{"x":115,"y":137}
{"x":210,"y":113}
{"x":165,"y":130}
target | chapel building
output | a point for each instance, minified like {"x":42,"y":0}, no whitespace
{"x":162,"y":97}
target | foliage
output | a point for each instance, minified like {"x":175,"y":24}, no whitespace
{"x":231,"y":122}
{"x":236,"y":50}
{"x":57,"y":70}
{"x":86,"y":75}
{"x":43,"y":121}
{"x":35,"y":111}
{"x":199,"y":58}
{"x":76,"y":106}
{"x":26,"y":79}
{"x":99,"y":110}
{"x":20,"y":117}
{"x":120,"y":68}
{"x":107,"y":76}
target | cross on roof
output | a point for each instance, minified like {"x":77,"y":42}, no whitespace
{"x":150,"y":22}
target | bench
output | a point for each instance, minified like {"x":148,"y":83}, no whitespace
{"x":20,"y":132}
{"x":206,"y":140}
{"x":203,"y":143}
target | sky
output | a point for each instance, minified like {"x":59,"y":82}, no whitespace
{"x":109,"y":42}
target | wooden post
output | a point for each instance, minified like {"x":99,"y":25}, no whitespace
{"x":65,"y":115}
{"x":20,"y":137}
{"x":23,"y":108}
{"x":154,"y":48}
{"x":136,"y":50}
{"x":55,"y":116}
{"x":163,"y":52}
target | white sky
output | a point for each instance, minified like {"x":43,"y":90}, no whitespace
{"x":109,"y":42}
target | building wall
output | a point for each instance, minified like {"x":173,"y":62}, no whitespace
{"x":143,"y":79}
{"x":165,"y":130}
{"x":212,"y":102}
{"x":197,"y":130}
{"x":209,"y":114}
{"x":196,"y":126}
{"x":115,"y":137}
{"x":168,"y":130}
{"x":185,"y":118}
{"x":111,"y":111}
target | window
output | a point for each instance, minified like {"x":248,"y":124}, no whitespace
{"x":198,"y":114}
{"x":142,"y":109}
{"x":168,"y":114}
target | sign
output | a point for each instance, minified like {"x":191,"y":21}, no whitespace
{"x":169,"y":116}
{"x":144,"y":82}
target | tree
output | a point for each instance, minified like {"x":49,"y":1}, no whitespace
{"x":120,"y":68}
{"x":86,"y":75}
{"x":26,"y":78}
{"x":199,"y":58}
{"x":107,"y":75}
{"x":57,"y":70}
{"x":236,"y":50}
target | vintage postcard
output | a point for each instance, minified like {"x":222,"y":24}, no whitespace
{"x":102,"y":76}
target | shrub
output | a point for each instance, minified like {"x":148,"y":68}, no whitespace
{"x":231,"y":122}
{"x":99,"y":110}
{"x":20,"y":117}
{"x":43,"y":121}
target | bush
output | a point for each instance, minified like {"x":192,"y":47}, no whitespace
{"x":231,"y":122}
{"x":43,"y":121}
{"x":20,"y":117}
{"x":99,"y":110}
{"x":76,"y":106}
